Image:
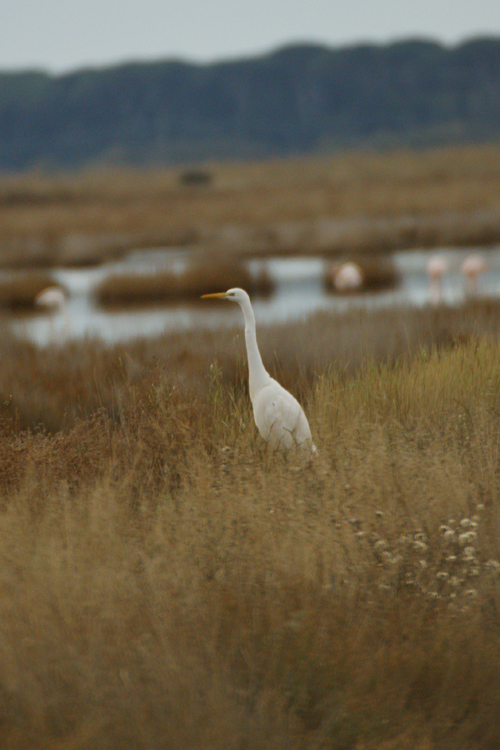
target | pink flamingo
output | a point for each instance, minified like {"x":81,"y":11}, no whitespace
{"x":348,"y":277}
{"x":472,"y":267}
{"x":437,"y":267}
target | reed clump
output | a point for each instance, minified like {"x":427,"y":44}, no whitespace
{"x":126,"y":289}
{"x":18,"y":293}
{"x":190,"y":284}
{"x":164,"y":576}
{"x":378,"y":273}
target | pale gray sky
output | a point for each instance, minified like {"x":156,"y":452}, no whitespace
{"x":63,"y":35}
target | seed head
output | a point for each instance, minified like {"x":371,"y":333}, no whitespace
{"x":419,"y":537}
{"x":494,"y":564}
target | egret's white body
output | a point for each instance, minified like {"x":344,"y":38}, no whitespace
{"x":472,"y":267}
{"x":437,"y":267}
{"x":348,"y":277}
{"x":278,"y":415}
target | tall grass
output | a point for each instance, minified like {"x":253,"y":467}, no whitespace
{"x":169,"y":583}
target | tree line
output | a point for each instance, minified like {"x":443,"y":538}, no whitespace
{"x":297,"y":99}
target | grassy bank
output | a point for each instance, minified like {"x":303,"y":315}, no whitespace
{"x":168,"y":582}
{"x":362,"y":201}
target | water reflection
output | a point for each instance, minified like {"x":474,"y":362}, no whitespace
{"x":299,"y":292}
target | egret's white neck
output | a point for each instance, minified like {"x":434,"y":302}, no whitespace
{"x":258,"y":377}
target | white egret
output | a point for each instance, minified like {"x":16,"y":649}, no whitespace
{"x":54,"y":299}
{"x":278,"y":415}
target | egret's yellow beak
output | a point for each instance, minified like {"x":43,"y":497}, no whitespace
{"x":217,"y":295}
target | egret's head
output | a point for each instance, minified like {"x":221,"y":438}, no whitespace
{"x":234,"y":295}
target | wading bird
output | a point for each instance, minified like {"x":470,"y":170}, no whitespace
{"x":54,"y":299}
{"x":472,"y":267}
{"x":348,"y":277}
{"x":437,"y":267}
{"x":278,"y":415}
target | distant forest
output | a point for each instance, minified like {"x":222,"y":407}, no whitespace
{"x":298,"y":99}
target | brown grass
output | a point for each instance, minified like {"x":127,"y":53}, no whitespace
{"x":166,"y":581}
{"x":364,"y":201}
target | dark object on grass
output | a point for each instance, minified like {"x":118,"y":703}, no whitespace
{"x":195,"y":177}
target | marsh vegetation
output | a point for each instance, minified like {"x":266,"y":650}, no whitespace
{"x":164,"y":576}
{"x":364,"y":201}
{"x":166,"y":581}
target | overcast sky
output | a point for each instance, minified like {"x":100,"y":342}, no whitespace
{"x":64,"y":35}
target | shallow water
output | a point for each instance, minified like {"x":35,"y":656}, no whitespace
{"x":299,"y":292}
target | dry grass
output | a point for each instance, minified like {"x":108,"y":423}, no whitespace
{"x":166,"y":581}
{"x":364,"y":201}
